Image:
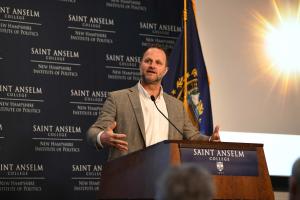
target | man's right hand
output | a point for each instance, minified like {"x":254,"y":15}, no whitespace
{"x":109,"y":138}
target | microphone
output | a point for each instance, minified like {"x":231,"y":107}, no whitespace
{"x":153,"y":99}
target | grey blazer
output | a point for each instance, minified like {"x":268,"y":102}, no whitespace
{"x":124,"y":107}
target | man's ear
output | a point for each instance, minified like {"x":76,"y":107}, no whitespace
{"x":167,"y":69}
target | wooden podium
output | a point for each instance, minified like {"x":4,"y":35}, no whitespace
{"x":134,"y":176}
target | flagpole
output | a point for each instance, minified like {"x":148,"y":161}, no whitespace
{"x":185,"y":89}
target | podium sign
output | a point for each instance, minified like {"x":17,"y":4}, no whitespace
{"x":134,"y":176}
{"x":227,"y":162}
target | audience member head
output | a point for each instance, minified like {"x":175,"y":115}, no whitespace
{"x":295,"y":181}
{"x":185,"y":182}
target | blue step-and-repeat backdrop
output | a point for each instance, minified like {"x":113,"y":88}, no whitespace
{"x":58,"y":61}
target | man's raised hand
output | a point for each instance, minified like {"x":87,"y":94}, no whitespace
{"x":109,"y":138}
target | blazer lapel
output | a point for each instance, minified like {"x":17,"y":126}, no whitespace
{"x":136,"y":105}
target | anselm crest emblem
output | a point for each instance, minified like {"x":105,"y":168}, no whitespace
{"x":220,"y":167}
{"x":194,"y":101}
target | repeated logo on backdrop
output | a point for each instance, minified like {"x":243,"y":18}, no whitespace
{"x":22,"y":177}
{"x":122,"y":66}
{"x":135,"y":5}
{"x":86,"y":177}
{"x":59,"y":59}
{"x":55,"y":62}
{"x":91,"y":29}
{"x":20,"y":21}
{"x":56,"y":138}
{"x":2,"y":136}
{"x":86,"y":102}
{"x":21,"y":99}
{"x":162,"y":34}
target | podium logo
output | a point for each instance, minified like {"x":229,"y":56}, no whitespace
{"x":220,"y":167}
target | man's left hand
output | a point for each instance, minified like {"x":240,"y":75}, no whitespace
{"x":215,"y":137}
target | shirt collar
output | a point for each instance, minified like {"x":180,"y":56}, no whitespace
{"x":144,"y":92}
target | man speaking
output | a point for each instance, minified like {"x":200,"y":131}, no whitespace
{"x":134,"y":118}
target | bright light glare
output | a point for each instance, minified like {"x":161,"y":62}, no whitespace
{"x":283,"y":46}
{"x":279,"y":46}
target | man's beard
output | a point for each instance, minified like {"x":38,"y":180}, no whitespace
{"x":147,"y":81}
